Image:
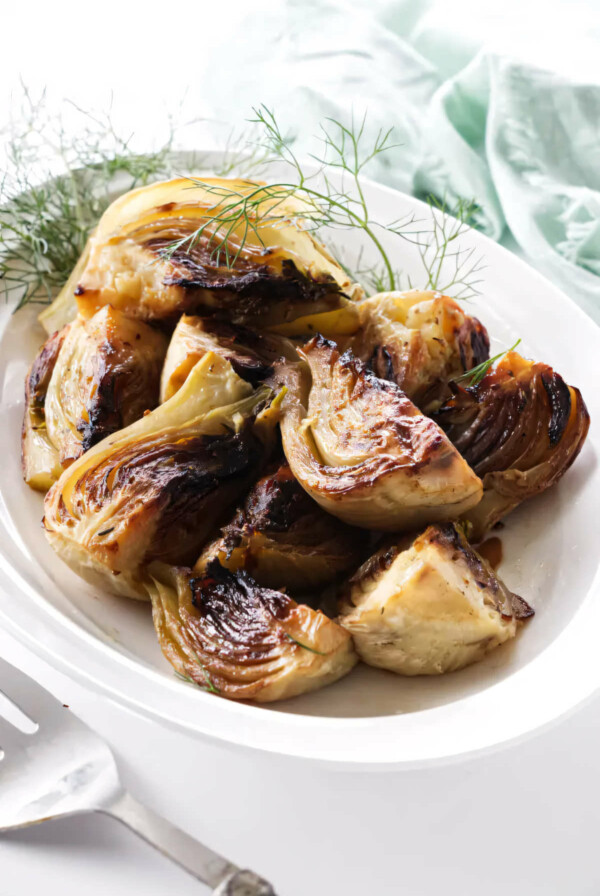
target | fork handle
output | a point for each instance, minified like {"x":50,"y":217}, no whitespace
{"x":193,"y":856}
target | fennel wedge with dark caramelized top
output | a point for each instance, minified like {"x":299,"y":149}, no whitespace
{"x":284,"y":539}
{"x":106,"y":376}
{"x":520,"y":428}
{"x":156,"y":489}
{"x":156,"y":253}
{"x":238,"y":639}
{"x":429,"y":605}
{"x":39,"y":457}
{"x":420,"y":341}
{"x":250,"y":353}
{"x":362,"y":449}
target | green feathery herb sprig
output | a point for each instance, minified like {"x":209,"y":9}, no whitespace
{"x":209,"y":686}
{"x":304,"y":646}
{"x":45,"y":219}
{"x":341,"y":206}
{"x":451,"y":268}
{"x":475,"y":375}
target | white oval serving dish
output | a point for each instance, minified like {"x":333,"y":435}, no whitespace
{"x":371,"y":718}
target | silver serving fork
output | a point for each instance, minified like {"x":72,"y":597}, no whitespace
{"x":64,"y":768}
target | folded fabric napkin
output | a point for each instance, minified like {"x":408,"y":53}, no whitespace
{"x":522,"y":142}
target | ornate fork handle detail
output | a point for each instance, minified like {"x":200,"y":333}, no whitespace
{"x":197,"y":859}
{"x":245,"y":883}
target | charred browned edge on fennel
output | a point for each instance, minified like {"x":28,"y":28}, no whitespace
{"x":348,"y":362}
{"x":40,"y":372}
{"x":276,"y":502}
{"x":365,"y":381}
{"x":559,"y":396}
{"x":36,"y":387}
{"x":106,"y":408}
{"x":452,"y":539}
{"x":483,"y":419}
{"x":473,"y":331}
{"x":175,"y":478}
{"x":237,"y":613}
{"x":249,"y":352}
{"x":255,"y":285}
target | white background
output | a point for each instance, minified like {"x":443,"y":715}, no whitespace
{"x":524,"y":820}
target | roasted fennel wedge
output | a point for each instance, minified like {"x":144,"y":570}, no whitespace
{"x":224,"y":632}
{"x":284,"y":539}
{"x":429,"y":605}
{"x":520,"y":428}
{"x":419,"y":340}
{"x":250,"y":353}
{"x":362,"y":449}
{"x":156,"y":490}
{"x":163,"y":249}
{"x":106,"y":375}
{"x":39,"y":458}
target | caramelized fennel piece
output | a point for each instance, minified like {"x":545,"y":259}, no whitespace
{"x":156,"y":490}
{"x":430,"y":606}
{"x":362,"y":449}
{"x":284,"y":539}
{"x":250,"y":353}
{"x":420,"y":341}
{"x":271,"y":271}
{"x":339,"y":324}
{"x":520,"y":429}
{"x":39,"y":458}
{"x":235,"y":638}
{"x":106,"y":375}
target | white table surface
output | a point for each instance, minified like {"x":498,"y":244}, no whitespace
{"x":524,"y":820}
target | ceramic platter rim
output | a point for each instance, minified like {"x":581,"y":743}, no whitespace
{"x":559,"y":677}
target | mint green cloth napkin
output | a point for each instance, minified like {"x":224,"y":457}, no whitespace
{"x":522,"y":142}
